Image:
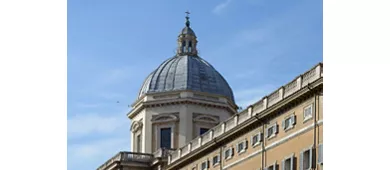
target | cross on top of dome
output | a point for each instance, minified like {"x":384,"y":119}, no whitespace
{"x":187,"y":18}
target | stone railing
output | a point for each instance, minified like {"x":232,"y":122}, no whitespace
{"x":175,"y":155}
{"x":195,"y":143}
{"x":244,"y":115}
{"x":162,"y":152}
{"x":311,"y":75}
{"x":260,"y":106}
{"x":275,"y":97}
{"x":186,"y":149}
{"x":231,"y":123}
{"x":292,"y":87}
{"x":206,"y":137}
{"x":219,"y":129}
{"x":128,"y":157}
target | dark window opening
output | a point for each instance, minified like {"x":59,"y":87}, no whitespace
{"x":183,"y":46}
{"x":165,"y":134}
{"x":189,"y":46}
{"x":139,"y":142}
{"x":203,"y":130}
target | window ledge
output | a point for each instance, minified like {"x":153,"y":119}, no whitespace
{"x":289,"y":128}
{"x":307,"y":118}
{"x":230,"y":157}
{"x":216,"y":164}
{"x":272,"y":136}
{"x":256,"y":144}
{"x":241,"y":152}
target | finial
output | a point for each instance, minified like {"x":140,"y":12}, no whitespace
{"x":187,"y":19}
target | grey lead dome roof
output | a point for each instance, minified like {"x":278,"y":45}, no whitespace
{"x":188,"y":30}
{"x":186,"y":73}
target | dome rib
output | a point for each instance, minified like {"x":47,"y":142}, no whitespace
{"x":161,"y":68}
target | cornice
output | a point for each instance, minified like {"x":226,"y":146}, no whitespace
{"x":187,"y":100}
{"x":141,"y":98}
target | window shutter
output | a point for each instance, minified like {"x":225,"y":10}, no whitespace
{"x":219,"y":159}
{"x":283,"y":164}
{"x":284,"y":124}
{"x":320,"y":154}
{"x":312,"y":158}
{"x":208,"y":163}
{"x":274,"y":167}
{"x":266,"y":132}
{"x":261,"y":137}
{"x":238,"y":149}
{"x":228,"y":154}
{"x":301,"y":161}
{"x":292,"y":165}
{"x":252,"y":142}
{"x":246,"y":144}
{"x":232,"y":151}
{"x":276,"y":128}
{"x":293,"y":118}
{"x":311,"y":109}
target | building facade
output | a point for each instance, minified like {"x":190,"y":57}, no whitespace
{"x":185,"y":117}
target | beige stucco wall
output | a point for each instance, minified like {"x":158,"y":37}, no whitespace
{"x":302,"y":137}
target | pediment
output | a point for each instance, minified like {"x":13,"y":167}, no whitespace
{"x":164,"y":118}
{"x":206,"y":119}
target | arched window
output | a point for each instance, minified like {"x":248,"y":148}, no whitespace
{"x":183,"y":46}
{"x":189,"y":46}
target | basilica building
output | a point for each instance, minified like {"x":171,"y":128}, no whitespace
{"x":185,"y":118}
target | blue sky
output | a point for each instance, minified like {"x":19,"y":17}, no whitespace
{"x":257,"y":45}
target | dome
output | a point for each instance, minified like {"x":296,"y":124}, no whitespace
{"x":188,"y":30}
{"x":186,"y":73}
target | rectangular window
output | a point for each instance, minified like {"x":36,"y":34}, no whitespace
{"x":288,"y":123}
{"x":272,"y":130}
{"x":308,"y":112}
{"x":288,"y":163}
{"x":255,"y":139}
{"x":272,"y":167}
{"x":216,"y":160}
{"x":165,"y":135}
{"x":205,"y":165}
{"x":241,"y":147}
{"x":228,"y":153}
{"x":203,"y":130}
{"x":306,"y":159}
{"x":139,"y":143}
